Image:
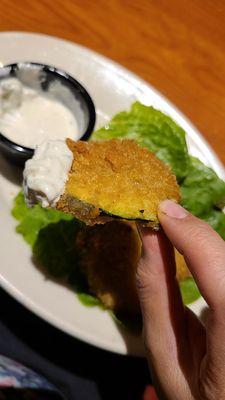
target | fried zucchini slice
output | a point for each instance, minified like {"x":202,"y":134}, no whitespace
{"x":182,"y":269}
{"x":109,"y":258}
{"x":116,"y":179}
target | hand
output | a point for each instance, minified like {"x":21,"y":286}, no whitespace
{"x":187,"y":360}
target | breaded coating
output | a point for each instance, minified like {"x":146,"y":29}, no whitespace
{"x":109,"y":259}
{"x":182,"y":269}
{"x":116,"y":178}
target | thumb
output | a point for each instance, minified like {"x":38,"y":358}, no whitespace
{"x":202,"y":247}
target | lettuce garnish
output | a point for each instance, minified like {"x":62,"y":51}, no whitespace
{"x":51,"y":235}
{"x":152,"y":129}
{"x":201,"y":189}
{"x":189,"y":290}
{"x":32,"y":220}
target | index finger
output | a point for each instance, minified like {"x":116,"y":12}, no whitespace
{"x":202,"y":247}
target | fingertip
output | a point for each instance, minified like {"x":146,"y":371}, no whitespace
{"x":171,"y":209}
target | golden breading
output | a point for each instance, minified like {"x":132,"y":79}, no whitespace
{"x":182,"y":269}
{"x":109,"y":259}
{"x":116,"y":178}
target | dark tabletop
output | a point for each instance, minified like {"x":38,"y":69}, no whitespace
{"x":79,"y":370}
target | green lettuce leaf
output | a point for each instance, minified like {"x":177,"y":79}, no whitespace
{"x":216,"y":219}
{"x":189,"y":290}
{"x":89,"y":300}
{"x":51,"y":235}
{"x":32,"y":220}
{"x":202,"y":189}
{"x":152,"y":129}
{"x":55,"y":250}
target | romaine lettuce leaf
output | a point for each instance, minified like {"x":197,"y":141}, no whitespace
{"x":54,"y":249}
{"x":152,"y":129}
{"x":216,"y":219}
{"x":89,"y":300}
{"x":32,"y":220}
{"x":51,"y":235}
{"x":202,"y":190}
{"x":189,"y":290}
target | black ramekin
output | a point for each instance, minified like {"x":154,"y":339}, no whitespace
{"x":85,"y":106}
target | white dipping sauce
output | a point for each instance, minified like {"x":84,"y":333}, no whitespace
{"x":29,"y":117}
{"x":46,"y":173}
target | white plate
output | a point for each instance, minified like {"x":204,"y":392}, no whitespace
{"x":113,"y":89}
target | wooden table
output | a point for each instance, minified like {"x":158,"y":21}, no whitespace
{"x":178,"y":46}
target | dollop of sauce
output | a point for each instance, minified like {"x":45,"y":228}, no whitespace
{"x":46,"y":173}
{"x":28,"y":117}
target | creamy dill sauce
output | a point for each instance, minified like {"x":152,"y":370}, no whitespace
{"x":46,"y":173}
{"x":29,"y":117}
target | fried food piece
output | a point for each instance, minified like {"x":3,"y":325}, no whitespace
{"x":116,"y":179}
{"x":182,"y":269}
{"x":109,"y":258}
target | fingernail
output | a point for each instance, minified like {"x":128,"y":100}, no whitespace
{"x":172,"y":209}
